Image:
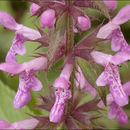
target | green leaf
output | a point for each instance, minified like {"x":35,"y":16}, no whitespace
{"x":7,"y":111}
{"x":100,"y":5}
{"x":91,"y":72}
{"x":56,"y":36}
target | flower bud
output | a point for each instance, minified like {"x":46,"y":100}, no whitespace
{"x":48,"y":18}
{"x":75,"y":29}
{"x":111,"y":4}
{"x":84,"y":22}
{"x":34,"y":8}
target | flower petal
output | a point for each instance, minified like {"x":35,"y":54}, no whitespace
{"x":80,"y":79}
{"x":101,"y":104}
{"x":16,"y":48}
{"x":36,"y":84}
{"x":22,"y":34}
{"x":113,"y":110}
{"x":126,"y":88}
{"x":83,"y":83}
{"x":4,"y":125}
{"x":11,"y":68}
{"x":37,"y":64}
{"x":28,"y":33}
{"x":57,"y":110}
{"x":107,"y":30}
{"x":48,"y":18}
{"x":101,"y":58}
{"x":21,"y":98}
{"x":26,"y":124}
{"x":88,"y":87}
{"x":7,"y":21}
{"x":118,"y":41}
{"x":66,"y":72}
{"x":122,"y":16}
{"x":116,"y":89}
{"x":120,"y":57}
{"x":101,"y":81}
{"x":34,"y":8}
{"x":63,"y":80}
{"x":122,"y":117}
{"x":28,"y":81}
{"x":119,"y":96}
{"x":84,"y":22}
{"x":111,"y":4}
{"x":109,"y":99}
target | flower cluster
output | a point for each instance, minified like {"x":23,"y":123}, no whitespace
{"x":72,"y":79}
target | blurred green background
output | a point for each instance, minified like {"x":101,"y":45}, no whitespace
{"x":8,"y":85}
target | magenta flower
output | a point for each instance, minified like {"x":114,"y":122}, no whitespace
{"x":23,"y":34}
{"x":62,"y":93}
{"x":112,"y":30}
{"x":110,"y":77}
{"x":83,"y":83}
{"x":111,"y":4}
{"x":80,"y":18}
{"x":34,"y":8}
{"x":48,"y":18}
{"x":84,"y":22}
{"x":115,"y":110}
{"x":25,"y":124}
{"x":126,"y":88}
{"x":58,"y":108}
{"x":63,"y":80}
{"x":26,"y":80}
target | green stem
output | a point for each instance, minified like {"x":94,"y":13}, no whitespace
{"x":69,"y":47}
{"x":69,"y":31}
{"x":72,"y":85}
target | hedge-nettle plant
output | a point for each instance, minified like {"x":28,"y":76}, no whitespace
{"x":66,"y":20}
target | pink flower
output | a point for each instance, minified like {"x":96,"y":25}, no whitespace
{"x":115,"y":110}
{"x":34,"y":8}
{"x":111,"y":4}
{"x":26,"y":80}
{"x":110,"y":76}
{"x":58,"y":108}
{"x":63,"y":80}
{"x":83,"y":83}
{"x":48,"y":18}
{"x":84,"y":22}
{"x":62,"y":93}
{"x":25,"y":124}
{"x":112,"y":30}
{"x":23,"y":34}
{"x":80,"y":18}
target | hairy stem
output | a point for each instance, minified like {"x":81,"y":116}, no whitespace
{"x":69,"y":48}
{"x":69,"y":31}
